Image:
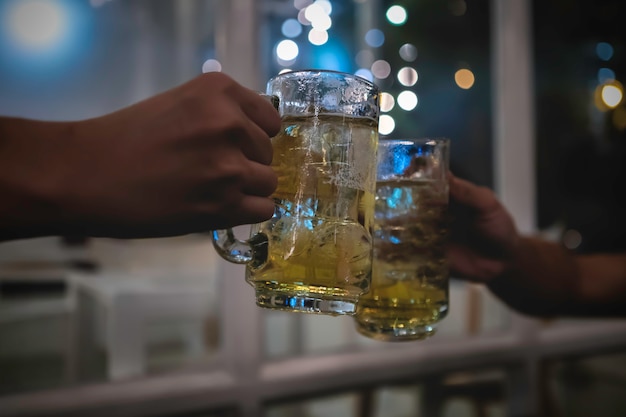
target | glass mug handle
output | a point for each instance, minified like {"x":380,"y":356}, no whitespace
{"x":239,"y":251}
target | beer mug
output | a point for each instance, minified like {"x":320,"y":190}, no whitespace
{"x":409,"y":292}
{"x":315,"y":254}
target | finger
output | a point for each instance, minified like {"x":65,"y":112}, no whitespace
{"x":257,"y":145}
{"x":257,"y":209}
{"x":466,"y":264}
{"x":252,"y":141}
{"x":261,"y":181}
{"x":259,"y":109}
{"x":252,"y":209}
{"x":468,"y":194}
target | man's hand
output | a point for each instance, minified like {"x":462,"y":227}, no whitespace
{"x":188,"y":160}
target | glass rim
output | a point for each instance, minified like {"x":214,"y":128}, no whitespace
{"x":326,"y":71}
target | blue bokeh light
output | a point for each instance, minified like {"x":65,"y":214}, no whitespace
{"x":291,"y":28}
{"x":604,"y":51}
{"x":375,"y":38}
{"x":605,"y":74}
{"x":23,"y":56}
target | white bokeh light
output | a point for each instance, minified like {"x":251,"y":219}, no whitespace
{"x":611,"y":95}
{"x":407,"y":100}
{"x":211,"y":65}
{"x":396,"y":15}
{"x":408,"y":52}
{"x":314,"y":11}
{"x":287,"y":50}
{"x":318,"y":37}
{"x":387,"y":102}
{"x":325,"y":5}
{"x":323,"y":22}
{"x":36,"y":24}
{"x":386,"y":124}
{"x":407,"y":76}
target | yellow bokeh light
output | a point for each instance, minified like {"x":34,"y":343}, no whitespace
{"x":608,"y":95}
{"x":464,"y":78}
{"x":611,"y":96}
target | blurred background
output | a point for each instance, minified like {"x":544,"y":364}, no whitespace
{"x":528,"y":92}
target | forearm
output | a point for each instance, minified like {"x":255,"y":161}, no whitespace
{"x":546,"y":279}
{"x":30,"y":176}
{"x":601,"y":285}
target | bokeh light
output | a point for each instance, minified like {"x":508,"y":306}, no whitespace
{"x":375,"y":38}
{"x":287,"y":50}
{"x":611,"y":95}
{"x":314,"y":12}
{"x":302,"y":18}
{"x":381,"y":69}
{"x":464,"y":78}
{"x":318,"y":37}
{"x":322,"y":23}
{"x":386,"y":124}
{"x":604,"y":51}
{"x":396,"y":15}
{"x":325,"y":5}
{"x":291,"y":28}
{"x":387,"y":102}
{"x":572,"y":239}
{"x":408,"y":52}
{"x":407,"y":100}
{"x":36,"y":24}
{"x":211,"y":65}
{"x":605,"y":75}
{"x":407,"y":76}
{"x":301,"y":4}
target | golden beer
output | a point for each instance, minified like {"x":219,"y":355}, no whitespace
{"x":409,"y":292}
{"x":319,"y":242}
{"x":315,"y":254}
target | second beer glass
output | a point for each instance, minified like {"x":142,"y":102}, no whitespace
{"x":409,"y":292}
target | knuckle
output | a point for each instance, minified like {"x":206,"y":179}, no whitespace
{"x":232,"y":171}
{"x":218,"y":80}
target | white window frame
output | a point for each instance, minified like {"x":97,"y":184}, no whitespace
{"x":243,"y":379}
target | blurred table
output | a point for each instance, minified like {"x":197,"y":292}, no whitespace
{"x":124,"y":305}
